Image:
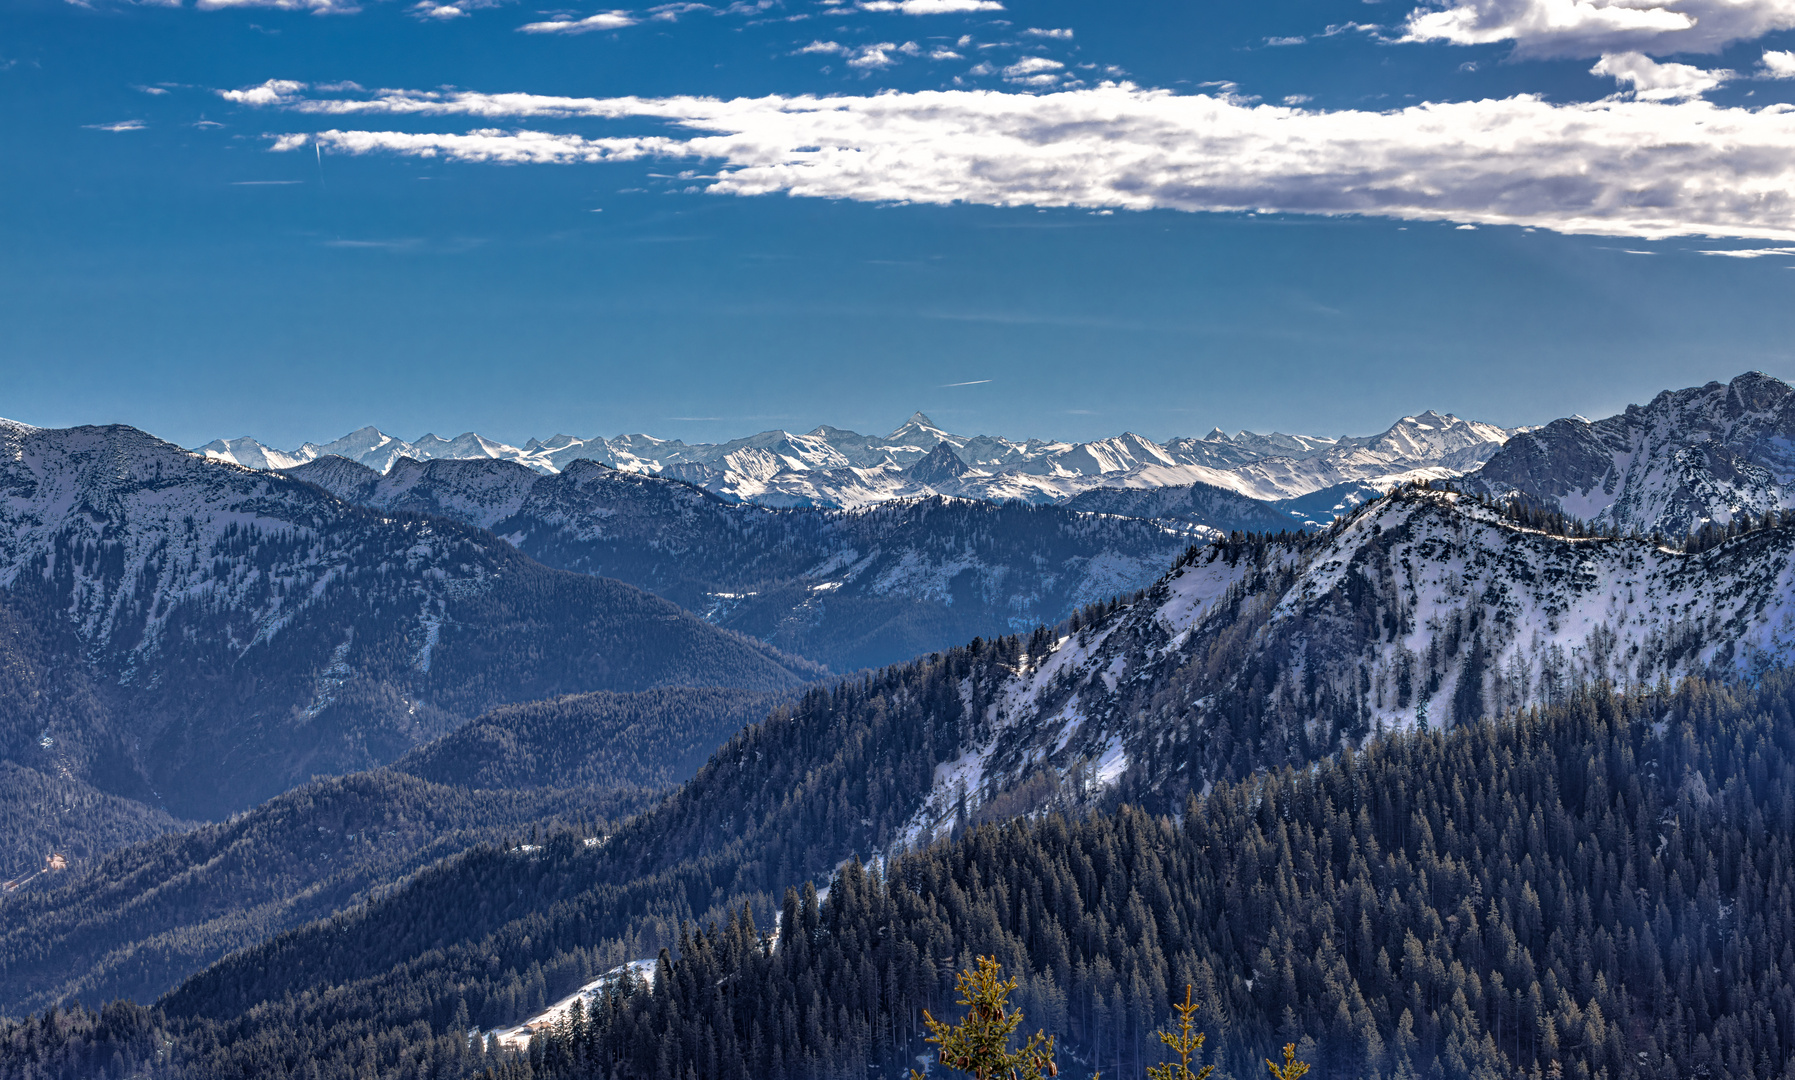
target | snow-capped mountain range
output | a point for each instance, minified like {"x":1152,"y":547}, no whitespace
{"x":839,"y":468}
{"x":1423,"y":607}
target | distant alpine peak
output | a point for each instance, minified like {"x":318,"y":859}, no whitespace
{"x":831,"y":466}
{"x":920,"y":424}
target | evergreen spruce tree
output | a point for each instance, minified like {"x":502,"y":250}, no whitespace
{"x":979,"y":1044}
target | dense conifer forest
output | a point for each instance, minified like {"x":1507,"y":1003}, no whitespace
{"x":655,"y":738}
{"x":1602,"y":890}
{"x":1597,"y":890}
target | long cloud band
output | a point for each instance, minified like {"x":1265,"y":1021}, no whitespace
{"x":1614,"y":167}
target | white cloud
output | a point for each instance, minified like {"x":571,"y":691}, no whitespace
{"x":672,"y":12}
{"x":516,"y":148}
{"x":272,"y":92}
{"x":1752,"y":253}
{"x":1593,"y":27}
{"x":873,"y":57}
{"x":945,"y":54}
{"x":1778,"y":65}
{"x":155,"y":91}
{"x":1285,"y":40}
{"x":830,"y":47}
{"x":1652,"y":81}
{"x":322,"y":7}
{"x":1297,"y":99}
{"x":1613,"y":167}
{"x":425,"y":9}
{"x":1031,"y":65}
{"x":604,"y":20}
{"x":1036,"y":31}
{"x":122,"y":125}
{"x":930,"y":7}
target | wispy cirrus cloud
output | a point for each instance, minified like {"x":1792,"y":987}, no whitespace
{"x":320,"y":7}
{"x":604,"y":20}
{"x":1614,"y":167}
{"x":930,"y":7}
{"x":1751,"y":253}
{"x":1572,"y":28}
{"x":122,"y":125}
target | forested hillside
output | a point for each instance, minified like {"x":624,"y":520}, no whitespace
{"x":138,"y":921}
{"x":147,"y":916}
{"x":655,"y":738}
{"x":42,"y":815}
{"x":1601,"y":888}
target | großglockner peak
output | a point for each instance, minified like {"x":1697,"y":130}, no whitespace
{"x":835,"y":467}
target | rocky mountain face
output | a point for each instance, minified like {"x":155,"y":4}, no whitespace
{"x":201,"y":636}
{"x":1208,"y":510}
{"x":834,"y":467}
{"x":1423,"y":608}
{"x":1706,"y":454}
{"x":849,"y":589}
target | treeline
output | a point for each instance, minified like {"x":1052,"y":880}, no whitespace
{"x":1599,"y":891}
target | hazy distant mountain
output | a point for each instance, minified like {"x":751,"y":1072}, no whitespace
{"x":201,"y":636}
{"x":848,"y":588}
{"x":834,"y":467}
{"x":1705,"y":454}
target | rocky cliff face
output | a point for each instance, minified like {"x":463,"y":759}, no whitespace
{"x":1705,"y":454}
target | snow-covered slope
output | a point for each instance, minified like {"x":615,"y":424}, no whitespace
{"x":1705,"y":454}
{"x":1423,"y":607}
{"x":834,"y":467}
{"x":239,"y":630}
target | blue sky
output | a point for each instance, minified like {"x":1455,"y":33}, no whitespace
{"x":700,"y":222}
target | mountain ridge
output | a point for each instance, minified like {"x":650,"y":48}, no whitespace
{"x":835,"y":467}
{"x":221,"y":633}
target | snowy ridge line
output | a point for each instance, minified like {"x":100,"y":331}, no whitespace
{"x":1420,"y":608}
{"x":836,"y":467}
{"x":156,"y":530}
